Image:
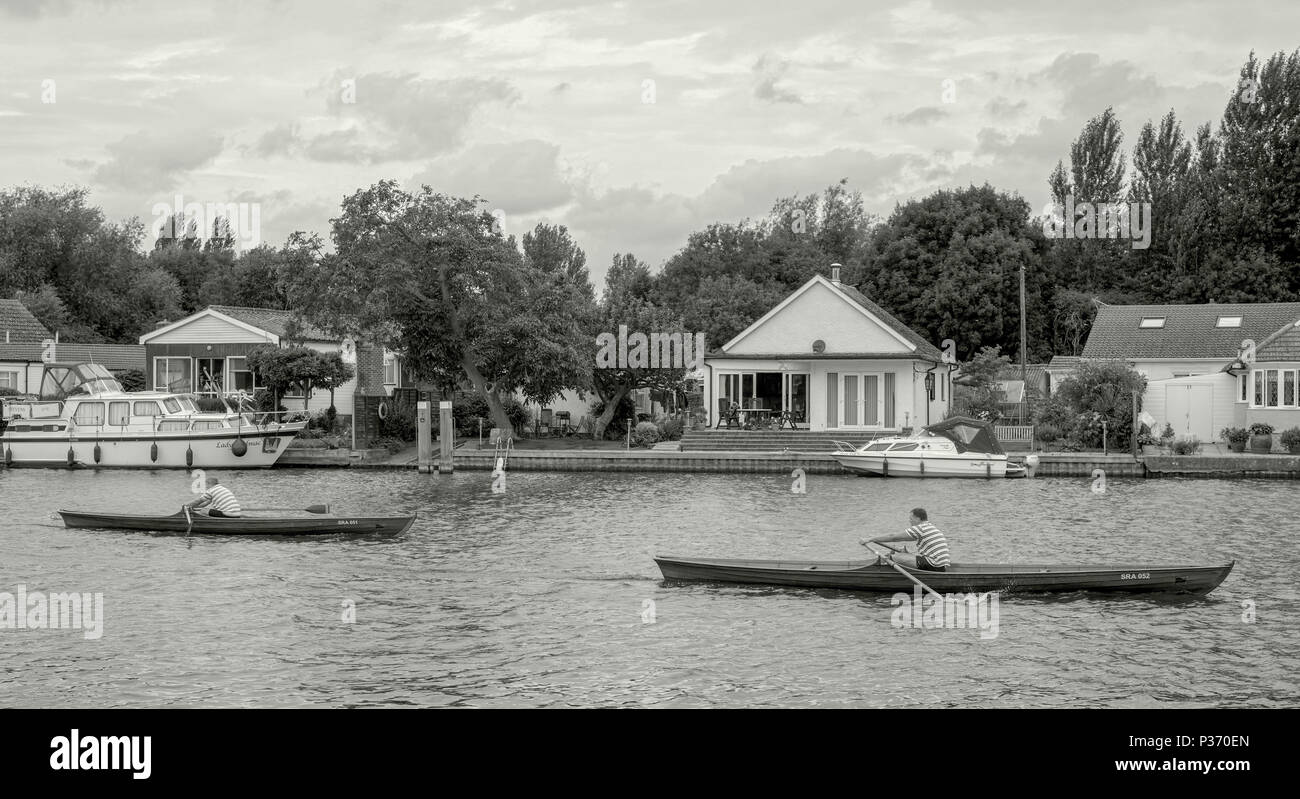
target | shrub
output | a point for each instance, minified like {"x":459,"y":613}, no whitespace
{"x":400,"y":423}
{"x":1047,"y":433}
{"x":672,"y":429}
{"x":1187,"y":446}
{"x":1168,"y":433}
{"x":210,"y":404}
{"x":131,"y":379}
{"x":1291,"y":439}
{"x":1261,"y":429}
{"x":1102,"y":391}
{"x":646,"y":434}
{"x":1235,"y":435}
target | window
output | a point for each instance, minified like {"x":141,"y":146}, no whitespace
{"x":149,"y":408}
{"x":241,"y":377}
{"x":90,"y":414}
{"x":173,"y":425}
{"x":210,"y":425}
{"x":173,"y":374}
{"x":172,"y":405}
{"x":1228,"y":321}
{"x":908,"y":447}
{"x":1152,"y":321}
{"x":9,"y":380}
{"x":1276,"y":388}
{"x":1243,"y":390}
{"x":390,"y":370}
{"x":119,"y":413}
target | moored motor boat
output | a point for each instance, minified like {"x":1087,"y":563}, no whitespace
{"x":956,"y":447}
{"x":314,"y":524}
{"x":960,"y":577}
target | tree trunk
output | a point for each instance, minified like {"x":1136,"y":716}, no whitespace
{"x":606,"y":416}
{"x":493,"y":397}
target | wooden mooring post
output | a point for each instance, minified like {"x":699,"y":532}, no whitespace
{"x":446,"y":436}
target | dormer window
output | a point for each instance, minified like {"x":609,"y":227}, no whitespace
{"x":1228,"y":321}
{"x":1152,"y":321}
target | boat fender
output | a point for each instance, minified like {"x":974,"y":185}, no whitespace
{"x":189,"y":455}
{"x":9,"y":456}
{"x":97,"y":452}
{"x":153,"y":452}
{"x":923,"y":467}
{"x":988,"y":471}
{"x":72,"y":457}
{"x":239,"y":448}
{"x":885,"y":466}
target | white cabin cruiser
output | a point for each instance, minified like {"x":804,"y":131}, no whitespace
{"x":82,"y":417}
{"x":956,"y":447}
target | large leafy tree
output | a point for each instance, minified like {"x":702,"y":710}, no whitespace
{"x":430,"y":276}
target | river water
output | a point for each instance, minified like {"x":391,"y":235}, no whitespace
{"x":546,"y":595}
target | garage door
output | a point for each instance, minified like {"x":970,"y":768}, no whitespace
{"x":1190,"y":411}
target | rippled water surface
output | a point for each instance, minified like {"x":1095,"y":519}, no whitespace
{"x":536,"y":597}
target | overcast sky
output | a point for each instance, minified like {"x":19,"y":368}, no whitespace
{"x":633,"y":124}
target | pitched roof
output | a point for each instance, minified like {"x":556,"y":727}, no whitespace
{"x":1063,"y":362}
{"x":1283,"y":345}
{"x":1189,"y":331}
{"x":111,"y":356}
{"x":272,"y":321}
{"x":924,"y":348}
{"x":19,"y":323}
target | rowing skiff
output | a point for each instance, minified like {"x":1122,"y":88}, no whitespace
{"x":865,"y":575}
{"x":246,"y":525}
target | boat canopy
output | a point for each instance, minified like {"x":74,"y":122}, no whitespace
{"x":970,"y":435}
{"x":63,"y":380}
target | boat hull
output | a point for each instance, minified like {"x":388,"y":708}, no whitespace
{"x":960,"y":578}
{"x":902,"y":466}
{"x":135,"y":451}
{"x":247,"y":525}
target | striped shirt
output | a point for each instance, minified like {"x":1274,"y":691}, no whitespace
{"x":931,"y":543}
{"x":222,"y":500}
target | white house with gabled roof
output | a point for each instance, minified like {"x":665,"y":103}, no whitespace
{"x":835,"y":361}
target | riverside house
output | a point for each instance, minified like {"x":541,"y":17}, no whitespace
{"x":1201,"y":375}
{"x":833,"y":360}
{"x":207,"y":353}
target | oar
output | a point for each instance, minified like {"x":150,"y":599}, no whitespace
{"x":308,"y":509}
{"x":905,"y":572}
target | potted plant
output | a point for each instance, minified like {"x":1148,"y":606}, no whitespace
{"x":1236,"y":438}
{"x":1167,"y":437}
{"x":1261,"y":437}
{"x":1291,"y":440}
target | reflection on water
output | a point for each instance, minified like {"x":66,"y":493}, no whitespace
{"x":538,"y":597}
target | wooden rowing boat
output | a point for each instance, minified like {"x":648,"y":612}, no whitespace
{"x":245,"y":525}
{"x":960,"y":577}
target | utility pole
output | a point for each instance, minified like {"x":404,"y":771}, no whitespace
{"x":1024,"y":378}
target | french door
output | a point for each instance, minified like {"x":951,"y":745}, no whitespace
{"x":861,"y":400}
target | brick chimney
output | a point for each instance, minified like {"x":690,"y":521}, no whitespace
{"x":370,"y":370}
{"x":835,"y":274}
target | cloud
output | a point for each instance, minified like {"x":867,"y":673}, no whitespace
{"x":520,"y":177}
{"x":150,"y":162}
{"x":769,"y":70}
{"x":920,"y":116}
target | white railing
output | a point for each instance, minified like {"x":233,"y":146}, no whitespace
{"x":1015,"y":433}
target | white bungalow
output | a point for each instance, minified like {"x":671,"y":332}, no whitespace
{"x":835,"y":361}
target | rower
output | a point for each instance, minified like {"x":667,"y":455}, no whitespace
{"x":932,"y":546}
{"x":218,"y":500}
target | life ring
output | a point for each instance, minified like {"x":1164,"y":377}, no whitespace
{"x":383,"y":410}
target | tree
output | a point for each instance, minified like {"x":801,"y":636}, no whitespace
{"x":430,"y":277}
{"x":975,"y":391}
{"x":282,"y":368}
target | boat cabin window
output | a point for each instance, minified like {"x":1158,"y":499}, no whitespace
{"x":173,"y":425}
{"x":89,"y":413}
{"x":172,"y":405}
{"x":119,"y":413}
{"x":61,"y":381}
{"x":904,"y":447}
{"x":877,"y":447}
{"x":149,"y":408}
{"x":210,"y":425}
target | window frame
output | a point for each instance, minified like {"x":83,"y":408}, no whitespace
{"x":167,"y":358}
{"x":1142,"y":324}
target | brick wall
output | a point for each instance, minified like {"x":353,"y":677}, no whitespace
{"x":369,"y":394}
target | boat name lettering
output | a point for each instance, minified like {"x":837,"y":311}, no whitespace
{"x":1135,"y":576}
{"x":347,"y":521}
